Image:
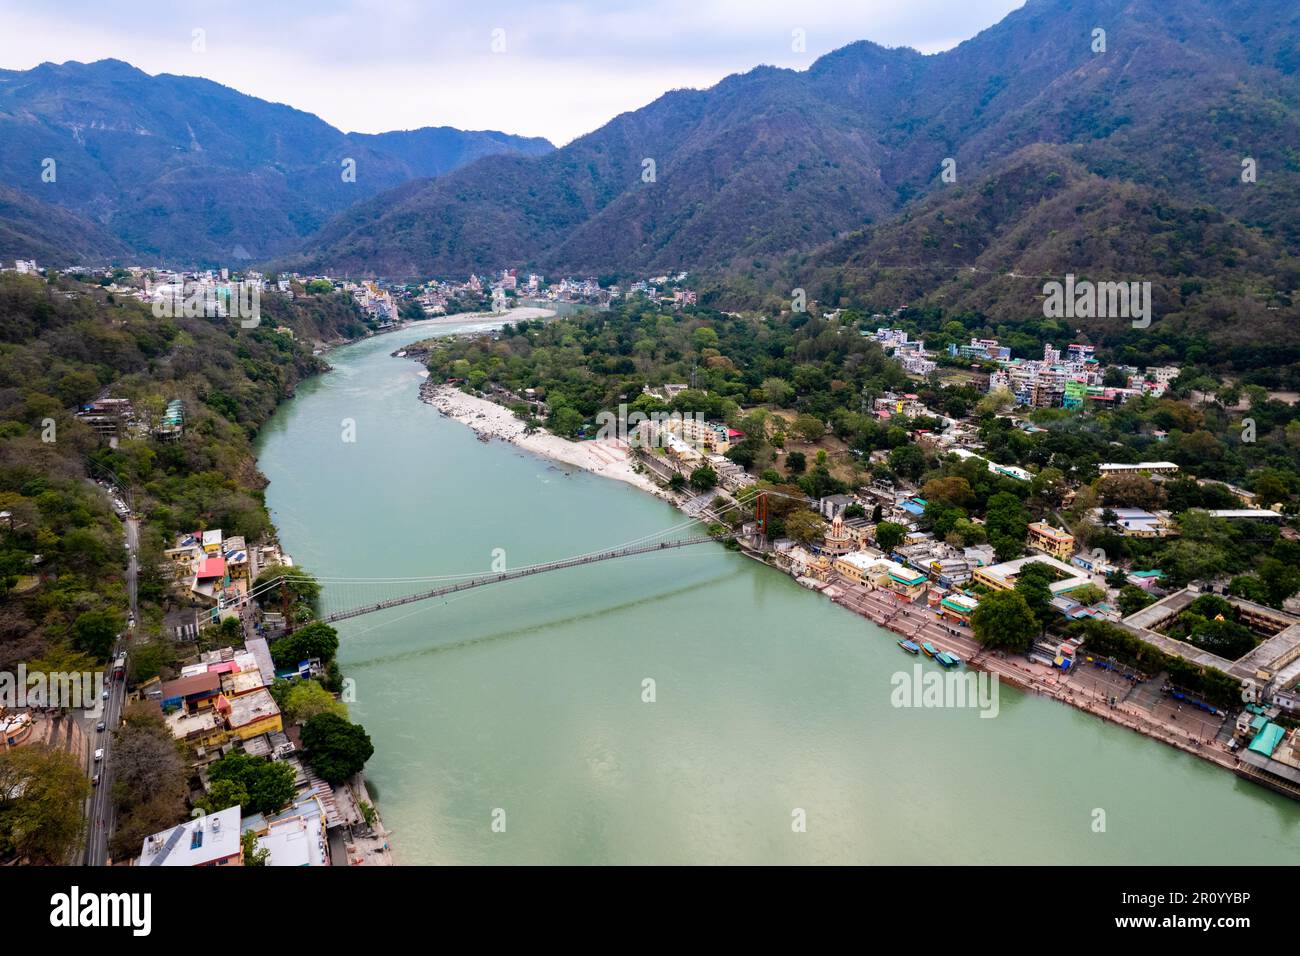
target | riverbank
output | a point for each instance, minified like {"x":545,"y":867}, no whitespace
{"x":490,"y":420}
{"x":529,"y":696}
{"x":918,"y":623}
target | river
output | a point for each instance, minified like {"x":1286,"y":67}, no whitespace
{"x":521,"y":705}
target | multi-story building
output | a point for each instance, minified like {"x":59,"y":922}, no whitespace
{"x":1057,"y":542}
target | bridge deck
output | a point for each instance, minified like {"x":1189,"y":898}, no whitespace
{"x":521,"y":573}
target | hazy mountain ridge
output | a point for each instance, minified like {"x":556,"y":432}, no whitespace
{"x":775,"y":162}
{"x":989,"y":247}
{"x":31,"y":229}
{"x":185,"y":169}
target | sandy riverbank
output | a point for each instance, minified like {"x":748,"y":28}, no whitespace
{"x":511,"y":315}
{"x":608,"y":459}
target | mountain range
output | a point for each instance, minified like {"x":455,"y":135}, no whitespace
{"x":1136,"y":138}
{"x":184,"y":170}
{"x":1161,"y":109}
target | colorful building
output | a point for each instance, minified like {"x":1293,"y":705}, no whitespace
{"x":1057,"y":542}
{"x":958,"y":607}
{"x":251,"y":714}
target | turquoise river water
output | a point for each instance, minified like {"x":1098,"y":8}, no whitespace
{"x":523,"y":703}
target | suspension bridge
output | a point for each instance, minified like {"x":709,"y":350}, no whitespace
{"x":342,"y":593}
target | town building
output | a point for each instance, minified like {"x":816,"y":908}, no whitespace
{"x":1135,"y":522}
{"x":1057,"y":542}
{"x":1138,"y":468}
{"x":1002,"y":577}
{"x":209,"y":840}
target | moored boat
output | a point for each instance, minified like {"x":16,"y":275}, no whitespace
{"x":909,"y":646}
{"x":928,"y":648}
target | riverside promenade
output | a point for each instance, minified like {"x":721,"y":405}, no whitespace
{"x":919,"y":623}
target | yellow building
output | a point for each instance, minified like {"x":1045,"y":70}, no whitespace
{"x":865,"y":568}
{"x":905,"y":582}
{"x":1057,"y":542}
{"x":203,"y":729}
{"x":251,"y":714}
{"x":857,"y":566}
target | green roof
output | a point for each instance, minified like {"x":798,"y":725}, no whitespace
{"x":1266,"y":740}
{"x":914,"y":579}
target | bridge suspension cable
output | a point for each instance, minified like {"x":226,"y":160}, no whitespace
{"x":444,"y":584}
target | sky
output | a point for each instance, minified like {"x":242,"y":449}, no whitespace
{"x":533,"y":67}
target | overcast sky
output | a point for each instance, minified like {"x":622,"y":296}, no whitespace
{"x":566,"y":67}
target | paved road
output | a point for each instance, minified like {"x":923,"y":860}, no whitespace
{"x":100,"y":812}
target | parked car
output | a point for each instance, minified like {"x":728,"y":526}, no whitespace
{"x":104,"y":695}
{"x":99,"y":727}
{"x":99,"y":754}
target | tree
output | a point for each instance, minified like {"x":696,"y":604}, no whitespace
{"x":42,"y":792}
{"x":565,"y":421}
{"x":1133,"y":599}
{"x":317,"y":640}
{"x":677,"y":482}
{"x":1228,"y":639}
{"x":1088,"y":595}
{"x":1129,"y":491}
{"x":805,"y":526}
{"x":149,"y":779}
{"x":302,"y":587}
{"x":1003,"y":619}
{"x":1050,"y":486}
{"x":908,"y":461}
{"x":1033,"y":584}
{"x":223,"y":794}
{"x":147,"y":660}
{"x":954,"y":492}
{"x":1186,"y":561}
{"x":12,"y":565}
{"x":306,"y":698}
{"x":889,"y":535}
{"x":1280,"y":579}
{"x":809,"y":427}
{"x":777,"y":391}
{"x":94,"y":632}
{"x":1007,"y":524}
{"x":254,"y":853}
{"x":267,"y":785}
{"x":995,"y":402}
{"x":335,"y":748}
{"x":703,"y":478}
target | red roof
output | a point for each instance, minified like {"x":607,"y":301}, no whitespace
{"x":212,"y":568}
{"x":193,"y":686}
